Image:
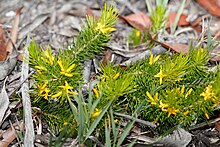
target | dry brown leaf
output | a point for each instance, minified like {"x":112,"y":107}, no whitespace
{"x":182,"y":21}
{"x":211,"y":5}
{"x":14,"y":32}
{"x":139,"y":21}
{"x":175,"y":47}
{"x":3,"y":51}
{"x":7,"y":137}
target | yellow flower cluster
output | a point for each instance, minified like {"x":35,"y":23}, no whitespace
{"x":49,"y":58}
{"x":152,"y":60}
{"x":66,"y":72}
{"x":167,"y":107}
{"x":208,"y":94}
{"x":43,"y":90}
{"x":102,"y":27}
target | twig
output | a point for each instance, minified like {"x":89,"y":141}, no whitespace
{"x":147,"y":123}
{"x":29,"y":127}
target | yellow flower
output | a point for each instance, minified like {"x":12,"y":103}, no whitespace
{"x":160,"y":75}
{"x":208,"y":93}
{"x":42,"y":88}
{"x":60,"y":64}
{"x":138,"y":33}
{"x":49,"y":56}
{"x":69,"y":69}
{"x":189,"y":92}
{"x":101,"y":27}
{"x":116,"y":76}
{"x":186,"y":112}
{"x":40,"y":68}
{"x":46,"y":94}
{"x":57,"y":95}
{"x":152,"y":100}
{"x":96,"y":113}
{"x":172,"y":111}
{"x":96,"y":92}
{"x":152,"y":60}
{"x":163,"y":106}
{"x":67,"y":87}
{"x":206,"y":115}
{"x":183,"y":89}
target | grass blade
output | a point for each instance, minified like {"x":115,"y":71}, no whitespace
{"x":107,"y":136}
{"x":97,"y":120}
{"x":180,"y":11}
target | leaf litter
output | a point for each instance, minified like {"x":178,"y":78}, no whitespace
{"x":47,"y":27}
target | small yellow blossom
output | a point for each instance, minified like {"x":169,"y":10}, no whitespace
{"x":96,"y":92}
{"x":49,"y":56}
{"x":116,"y":76}
{"x":40,"y":68}
{"x":67,"y":87}
{"x":183,"y":89}
{"x":46,"y":94}
{"x":152,"y":60}
{"x":189,"y":92}
{"x":186,"y":112}
{"x":138,"y":33}
{"x":42,"y":88}
{"x":102,"y":27}
{"x":160,"y":75}
{"x":96,"y":113}
{"x":172,"y":110}
{"x":60,"y":64}
{"x":206,"y":115}
{"x":66,"y":74}
{"x":69,"y":69}
{"x":152,"y":100}
{"x":208,"y":93}
{"x":57,"y":95}
{"x":163,"y":106}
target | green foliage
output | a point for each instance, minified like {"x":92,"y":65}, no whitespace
{"x":172,"y":98}
{"x":158,"y":17}
{"x":59,"y":76}
{"x":114,"y":82}
{"x":95,"y":34}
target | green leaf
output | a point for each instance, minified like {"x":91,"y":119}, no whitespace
{"x":97,"y":120}
{"x":107,"y":136}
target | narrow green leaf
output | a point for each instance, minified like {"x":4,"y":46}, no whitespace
{"x":125,"y":133}
{"x":180,"y":11}
{"x":97,"y":120}
{"x":107,"y":136}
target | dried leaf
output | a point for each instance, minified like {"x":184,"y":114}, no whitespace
{"x":211,"y":5}
{"x":8,"y":136}
{"x":14,"y":32}
{"x":182,"y":21}
{"x":176,"y":47}
{"x":4,"y":102}
{"x":179,"y":138}
{"x":3,"y":51}
{"x":139,"y":21}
